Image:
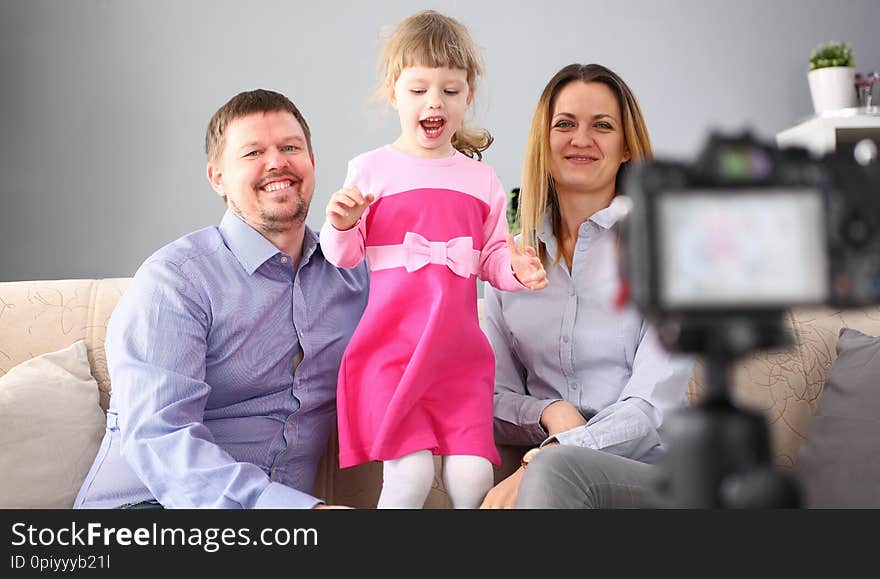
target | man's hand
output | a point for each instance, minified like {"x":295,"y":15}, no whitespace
{"x":346,"y":206}
{"x":527,"y":268}
{"x":503,"y":495}
{"x":561,"y":416}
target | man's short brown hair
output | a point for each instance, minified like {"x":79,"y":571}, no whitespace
{"x":242,"y":105}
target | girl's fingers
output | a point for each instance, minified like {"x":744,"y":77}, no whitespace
{"x":511,"y":246}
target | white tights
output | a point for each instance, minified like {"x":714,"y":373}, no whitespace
{"x":407,"y":480}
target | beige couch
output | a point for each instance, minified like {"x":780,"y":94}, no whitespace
{"x":43,"y":316}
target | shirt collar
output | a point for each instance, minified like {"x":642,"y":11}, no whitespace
{"x":545,"y":234}
{"x":310,"y":244}
{"x":247,"y":245}
{"x":604,"y":218}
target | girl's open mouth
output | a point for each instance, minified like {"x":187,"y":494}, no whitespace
{"x":433,"y":126}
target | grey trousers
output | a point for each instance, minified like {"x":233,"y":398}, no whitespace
{"x":568,"y":477}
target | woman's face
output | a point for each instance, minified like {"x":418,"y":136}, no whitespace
{"x":586,"y":139}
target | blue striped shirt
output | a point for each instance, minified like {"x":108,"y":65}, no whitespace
{"x":211,"y":406}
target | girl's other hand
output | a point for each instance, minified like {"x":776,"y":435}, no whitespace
{"x":527,"y":268}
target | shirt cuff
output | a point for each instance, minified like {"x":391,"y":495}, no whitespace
{"x":279,"y":496}
{"x":579,"y":436}
{"x":332,"y":228}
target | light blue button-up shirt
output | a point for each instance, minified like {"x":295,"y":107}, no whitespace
{"x":211,"y":406}
{"x":570,"y":342}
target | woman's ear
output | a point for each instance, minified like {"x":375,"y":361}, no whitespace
{"x":626,"y":155}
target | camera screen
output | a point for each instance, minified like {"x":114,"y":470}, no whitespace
{"x":741,"y":248}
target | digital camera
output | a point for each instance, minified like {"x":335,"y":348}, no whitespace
{"x":751,"y":228}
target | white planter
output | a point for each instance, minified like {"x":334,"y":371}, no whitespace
{"x":832,"y":88}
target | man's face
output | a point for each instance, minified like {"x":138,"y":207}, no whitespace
{"x":265,"y":171}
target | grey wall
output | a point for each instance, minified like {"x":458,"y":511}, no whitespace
{"x":104,"y":102}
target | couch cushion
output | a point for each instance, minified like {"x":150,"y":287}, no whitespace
{"x":52,"y":428}
{"x":838,"y":465}
{"x":43,"y":316}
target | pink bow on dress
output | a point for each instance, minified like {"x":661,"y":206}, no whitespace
{"x":457,"y":254}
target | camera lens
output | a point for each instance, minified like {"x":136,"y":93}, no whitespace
{"x":856,"y":230}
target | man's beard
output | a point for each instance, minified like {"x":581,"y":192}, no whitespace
{"x":280,"y":220}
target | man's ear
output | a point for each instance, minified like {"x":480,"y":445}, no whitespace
{"x":215,"y":178}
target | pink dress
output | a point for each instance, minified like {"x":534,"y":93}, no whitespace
{"x":418,"y":372}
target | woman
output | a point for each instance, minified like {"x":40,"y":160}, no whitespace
{"x":572,"y":369}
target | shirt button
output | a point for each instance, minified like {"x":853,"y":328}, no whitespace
{"x":565,"y":339}
{"x":289,"y":424}
{"x":574,"y":386}
{"x":283,"y":260}
{"x":302,"y":334}
{"x":272,"y":474}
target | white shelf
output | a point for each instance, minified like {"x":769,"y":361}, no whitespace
{"x":822,"y":134}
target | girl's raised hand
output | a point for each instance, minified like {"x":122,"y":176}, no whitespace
{"x":526,"y":266}
{"x":346,"y":206}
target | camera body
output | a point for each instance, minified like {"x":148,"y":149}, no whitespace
{"x":750,"y":228}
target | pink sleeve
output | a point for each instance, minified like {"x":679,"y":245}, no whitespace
{"x":345,"y":248}
{"x":495,"y":258}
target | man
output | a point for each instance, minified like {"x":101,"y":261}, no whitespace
{"x":224,"y":351}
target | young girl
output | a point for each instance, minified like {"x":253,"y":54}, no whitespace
{"x":417,"y":377}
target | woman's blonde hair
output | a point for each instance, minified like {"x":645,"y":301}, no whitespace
{"x":431,"y":39}
{"x":537,"y":192}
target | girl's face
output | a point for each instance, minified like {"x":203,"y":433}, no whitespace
{"x":586,"y":138}
{"x":431,"y":103}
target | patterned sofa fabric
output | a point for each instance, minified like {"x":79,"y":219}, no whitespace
{"x":37,"y":317}
{"x":786,"y":384}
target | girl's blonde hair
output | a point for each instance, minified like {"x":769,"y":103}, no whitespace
{"x":537,"y":192}
{"x":431,"y":39}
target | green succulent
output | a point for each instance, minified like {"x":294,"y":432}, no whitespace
{"x":832,"y":54}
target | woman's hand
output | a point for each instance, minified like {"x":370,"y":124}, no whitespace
{"x":503,"y":495}
{"x":346,"y":206}
{"x":561,"y":416}
{"x":527,"y":268}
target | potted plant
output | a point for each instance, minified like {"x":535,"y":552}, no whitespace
{"x":831,"y":77}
